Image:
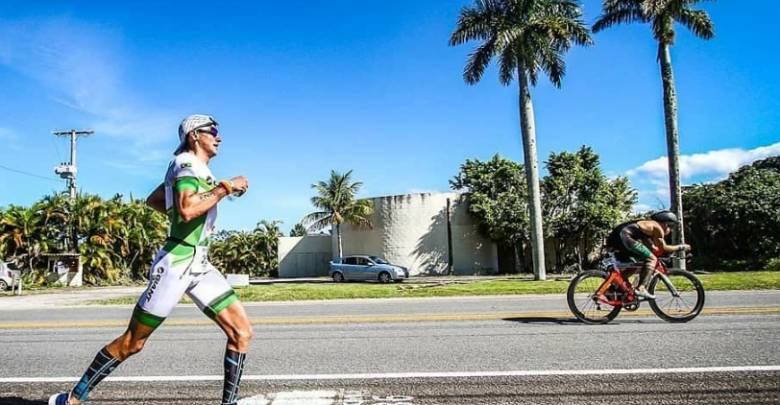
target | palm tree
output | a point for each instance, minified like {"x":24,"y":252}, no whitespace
{"x":526,"y":36}
{"x":20,"y":230}
{"x":336,"y":202}
{"x":298,"y":230}
{"x":662,"y":15}
{"x":268,"y":234}
{"x":142,"y":232}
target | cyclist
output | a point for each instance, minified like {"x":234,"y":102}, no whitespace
{"x":635,"y":241}
{"x":189,"y":196}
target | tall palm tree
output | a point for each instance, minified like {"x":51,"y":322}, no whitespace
{"x":525,"y":36}
{"x":662,"y":16}
{"x":336,"y":203}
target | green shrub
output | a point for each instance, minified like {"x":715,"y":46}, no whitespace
{"x":773,"y":264}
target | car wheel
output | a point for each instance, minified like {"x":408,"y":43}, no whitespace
{"x":3,"y":285}
{"x":338,"y":277}
{"x":384,"y":277}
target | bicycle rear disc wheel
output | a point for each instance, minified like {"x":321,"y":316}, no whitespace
{"x":683,"y":307}
{"x":583,"y":300}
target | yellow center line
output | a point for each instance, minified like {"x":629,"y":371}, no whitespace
{"x":374,"y":318}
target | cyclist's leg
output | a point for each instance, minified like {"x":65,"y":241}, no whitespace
{"x":641,"y":253}
{"x":217,"y":300}
{"x":648,"y":265}
{"x":629,"y":272}
{"x":165,"y":288}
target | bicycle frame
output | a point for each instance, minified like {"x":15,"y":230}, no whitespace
{"x":616,"y":276}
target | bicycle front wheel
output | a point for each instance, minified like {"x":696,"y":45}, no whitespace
{"x":678,"y":298}
{"x":583,"y":298}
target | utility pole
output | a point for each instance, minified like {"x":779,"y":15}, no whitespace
{"x":68,"y":170}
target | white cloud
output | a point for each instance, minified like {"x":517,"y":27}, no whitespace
{"x":80,"y":63}
{"x":714,"y":164}
{"x":652,"y":177}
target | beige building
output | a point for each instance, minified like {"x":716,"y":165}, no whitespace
{"x":425,"y":232}
{"x":304,"y":256}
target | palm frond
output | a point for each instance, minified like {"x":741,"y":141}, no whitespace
{"x":698,"y":22}
{"x":627,"y":14}
{"x":478,"y":61}
{"x":551,"y":61}
{"x":507,"y":65}
{"x":527,"y":60}
{"x":474,"y":23}
{"x":316,"y":217}
{"x":657,"y":7}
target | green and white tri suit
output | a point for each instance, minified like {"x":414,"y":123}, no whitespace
{"x":182,"y":265}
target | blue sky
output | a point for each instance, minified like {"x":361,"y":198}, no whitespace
{"x":304,"y":87}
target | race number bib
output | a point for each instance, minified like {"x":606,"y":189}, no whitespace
{"x":200,"y":264}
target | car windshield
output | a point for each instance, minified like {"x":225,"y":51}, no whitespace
{"x":378,"y":260}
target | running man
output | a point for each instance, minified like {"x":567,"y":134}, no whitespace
{"x":189,"y":196}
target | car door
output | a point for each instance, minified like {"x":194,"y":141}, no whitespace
{"x":348,"y":266}
{"x":367,"y":269}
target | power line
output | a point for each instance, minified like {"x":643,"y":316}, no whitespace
{"x":29,"y":174}
{"x":57,"y":149}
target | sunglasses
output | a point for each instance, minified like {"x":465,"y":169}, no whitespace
{"x":212,"y":131}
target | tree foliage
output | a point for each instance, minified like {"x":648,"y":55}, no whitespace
{"x":497,"y":197}
{"x":737,"y":220}
{"x":117,"y":240}
{"x":661,"y":15}
{"x":581,"y":205}
{"x":498,"y":201}
{"x":298,"y":230}
{"x":530,"y":35}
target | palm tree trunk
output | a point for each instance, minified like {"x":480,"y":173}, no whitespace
{"x":338,"y":236}
{"x":528,"y":131}
{"x":672,"y":141}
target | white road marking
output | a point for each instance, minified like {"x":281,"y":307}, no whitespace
{"x":385,"y":376}
{"x":305,"y":398}
{"x":255,"y":400}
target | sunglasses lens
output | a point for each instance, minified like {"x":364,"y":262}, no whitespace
{"x":212,"y":131}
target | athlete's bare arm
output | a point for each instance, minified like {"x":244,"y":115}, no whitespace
{"x":656,"y":233}
{"x":156,"y":200}
{"x":192,"y":205}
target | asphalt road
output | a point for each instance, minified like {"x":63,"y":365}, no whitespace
{"x":486,"y":350}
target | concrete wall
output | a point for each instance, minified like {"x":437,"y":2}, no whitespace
{"x":305,"y":256}
{"x":472,"y":252}
{"x":411,"y":230}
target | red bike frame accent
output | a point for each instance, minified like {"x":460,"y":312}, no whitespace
{"x":616,"y":276}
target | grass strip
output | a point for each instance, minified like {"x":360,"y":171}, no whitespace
{"x":419,"y":288}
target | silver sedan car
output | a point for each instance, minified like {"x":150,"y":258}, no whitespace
{"x":366,"y":267}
